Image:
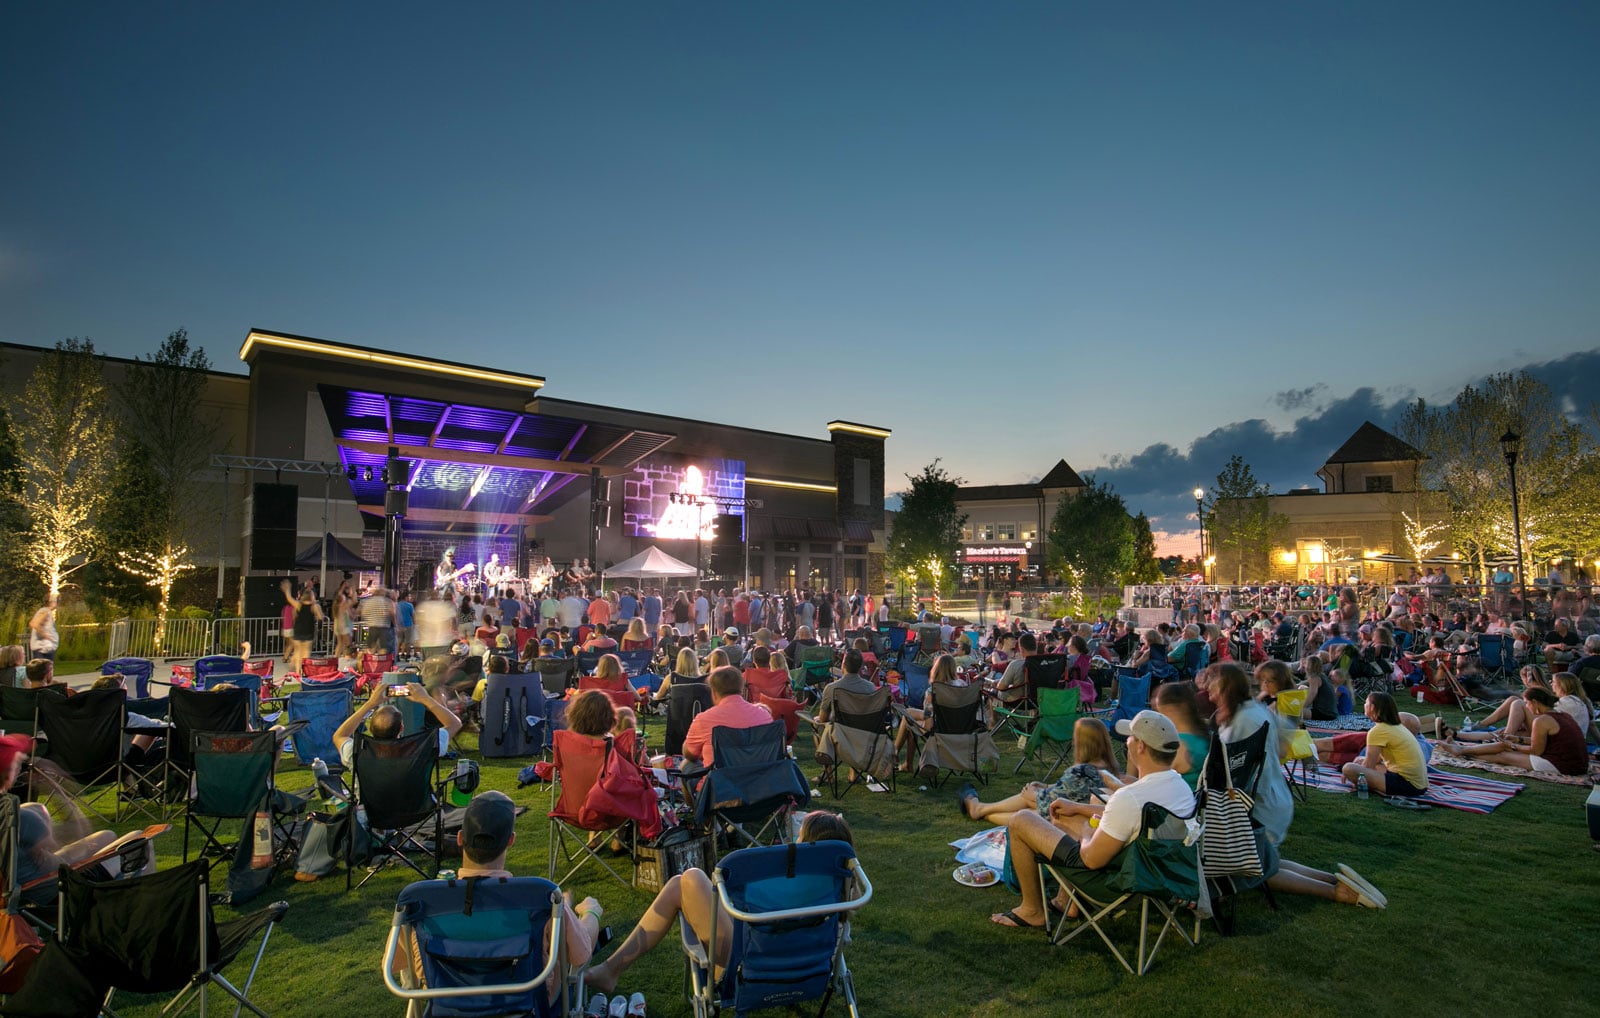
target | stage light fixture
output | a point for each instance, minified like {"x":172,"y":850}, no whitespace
{"x":351,"y":473}
{"x":366,"y":473}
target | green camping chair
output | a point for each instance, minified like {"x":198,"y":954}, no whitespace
{"x":1052,"y":729}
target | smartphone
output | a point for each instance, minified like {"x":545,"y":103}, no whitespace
{"x":399,"y":689}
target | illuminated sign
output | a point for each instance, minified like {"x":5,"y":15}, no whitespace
{"x":659,"y":497}
{"x":993,"y":551}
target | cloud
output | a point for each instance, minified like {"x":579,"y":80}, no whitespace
{"x":1299,"y":399}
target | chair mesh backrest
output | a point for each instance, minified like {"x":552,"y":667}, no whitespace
{"x":136,"y":668}
{"x":207,"y":668}
{"x":24,"y":703}
{"x":85,"y":731}
{"x":759,"y":682}
{"x":1044,"y":671}
{"x":588,"y":661}
{"x":394,"y":778}
{"x":685,"y":699}
{"x":737,"y":747}
{"x":140,"y":934}
{"x":577,"y":760}
{"x":232,"y":772}
{"x":634,"y":662}
{"x":192,"y":710}
{"x":957,"y":710}
{"x":554,"y":673}
{"x":778,"y":962}
{"x":865,"y":711}
{"x":323,"y":710}
{"x":498,"y":940}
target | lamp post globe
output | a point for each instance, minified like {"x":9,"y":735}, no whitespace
{"x":1199,"y":515}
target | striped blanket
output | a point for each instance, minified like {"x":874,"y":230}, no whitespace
{"x":1464,"y":792}
{"x":1580,"y":780}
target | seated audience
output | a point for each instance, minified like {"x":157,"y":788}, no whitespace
{"x":1094,"y":770}
{"x":1554,"y":744}
{"x":1393,"y":763}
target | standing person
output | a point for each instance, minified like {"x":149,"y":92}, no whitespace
{"x":683,"y":615}
{"x":43,"y":639}
{"x":435,"y":625}
{"x":405,"y":624}
{"x":287,"y":619}
{"x":652,"y":609}
{"x":377,"y":613}
{"x":805,"y":613}
{"x":599,"y":612}
{"x":756,"y":611}
{"x":573,"y":608}
{"x":627,"y":606}
{"x":549,"y":607}
{"x":825,"y":617}
{"x":344,"y":620}
{"x":307,"y":613}
{"x":702,"y":610}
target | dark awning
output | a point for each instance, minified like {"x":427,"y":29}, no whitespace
{"x":857,"y":531}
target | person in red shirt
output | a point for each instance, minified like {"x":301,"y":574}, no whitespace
{"x":729,"y":709}
{"x":600,"y":612}
{"x":741,"y":613}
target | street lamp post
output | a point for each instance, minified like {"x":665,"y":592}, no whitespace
{"x":1199,"y":515}
{"x":1510,"y":445}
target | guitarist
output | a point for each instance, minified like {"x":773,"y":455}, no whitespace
{"x":446,"y":573}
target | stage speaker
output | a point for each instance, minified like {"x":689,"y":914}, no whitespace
{"x":273,"y":526}
{"x":262,"y":597}
{"x":727,"y":547}
{"x":396,"y":501}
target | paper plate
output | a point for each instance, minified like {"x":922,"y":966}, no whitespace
{"x":964,"y":875}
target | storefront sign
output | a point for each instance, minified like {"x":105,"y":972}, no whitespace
{"x":993,"y":553}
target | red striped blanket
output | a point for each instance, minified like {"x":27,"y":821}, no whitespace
{"x":1464,"y":792}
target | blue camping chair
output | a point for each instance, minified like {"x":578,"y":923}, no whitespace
{"x":1402,"y":641}
{"x":136,"y":668}
{"x":1159,"y":669}
{"x":897,"y":638}
{"x":242,"y":680}
{"x":481,"y":946}
{"x":791,"y":907}
{"x":914,"y":684}
{"x":1195,"y":657}
{"x":634,"y":662}
{"x":589,"y":660}
{"x":344,"y":683}
{"x":1495,"y":654}
{"x":1133,"y":696}
{"x":323,"y":711}
{"x":207,"y":668}
{"x":752,"y":781}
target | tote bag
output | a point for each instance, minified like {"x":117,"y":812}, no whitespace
{"x":1228,"y":845}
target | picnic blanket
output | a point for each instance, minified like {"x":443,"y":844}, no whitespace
{"x":1343,"y":723}
{"x":1448,"y":759}
{"x":1464,"y":792}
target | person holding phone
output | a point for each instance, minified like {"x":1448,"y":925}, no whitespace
{"x":384,"y":720}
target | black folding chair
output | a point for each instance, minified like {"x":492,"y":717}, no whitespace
{"x":752,"y":781}
{"x":685,"y":699}
{"x":555,"y":674}
{"x":190,"y":711}
{"x":151,"y":934}
{"x":1041,"y":671}
{"x":84,"y":734}
{"x":233,"y":780}
{"x":19,"y":708}
{"x":396,"y":782}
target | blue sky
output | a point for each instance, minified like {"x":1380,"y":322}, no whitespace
{"x":1012,"y":232}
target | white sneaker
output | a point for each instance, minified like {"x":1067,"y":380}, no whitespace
{"x":598,"y":1006}
{"x":636,"y":1006}
{"x":619,"y":1006}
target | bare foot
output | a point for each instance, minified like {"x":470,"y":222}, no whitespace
{"x":598,"y":977}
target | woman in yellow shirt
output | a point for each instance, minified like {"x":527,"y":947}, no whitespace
{"x":1393,"y":763}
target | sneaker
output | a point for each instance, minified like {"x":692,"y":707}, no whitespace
{"x":636,"y":1006}
{"x":598,"y":1006}
{"x":619,"y":1007}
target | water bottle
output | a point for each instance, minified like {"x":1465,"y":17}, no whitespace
{"x":320,"y":769}
{"x":459,"y":797}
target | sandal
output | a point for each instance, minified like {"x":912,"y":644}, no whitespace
{"x":1012,"y":921}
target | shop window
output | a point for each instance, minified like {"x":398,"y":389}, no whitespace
{"x":966,"y":531}
{"x":986,"y":531}
{"x":1030,"y":531}
{"x":1005,"y":531}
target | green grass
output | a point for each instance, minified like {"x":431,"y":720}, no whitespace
{"x":1483,"y":912}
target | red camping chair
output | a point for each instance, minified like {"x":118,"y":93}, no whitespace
{"x":760,"y":682}
{"x":376,"y":664}
{"x":620,"y":693}
{"x":577,"y":761}
{"x":320,"y":668}
{"x":783,"y":709}
{"x":183,"y":675}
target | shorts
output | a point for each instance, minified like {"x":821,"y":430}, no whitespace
{"x":1067,"y":853}
{"x":1394,"y":784}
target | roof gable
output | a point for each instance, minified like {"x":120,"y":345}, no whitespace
{"x":1061,"y":476}
{"x":1371,"y":444}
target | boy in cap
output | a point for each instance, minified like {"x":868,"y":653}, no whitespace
{"x":1071,"y":842}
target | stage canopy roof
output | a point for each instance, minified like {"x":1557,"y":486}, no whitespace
{"x":475,"y":465}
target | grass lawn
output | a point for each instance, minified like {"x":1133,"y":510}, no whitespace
{"x":925,"y":945}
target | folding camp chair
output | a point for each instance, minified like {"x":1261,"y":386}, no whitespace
{"x":207,"y":670}
{"x":588,"y":661}
{"x":84,"y":735}
{"x":238,"y":680}
{"x":322,"y":711}
{"x":752,"y":780}
{"x":1495,"y":655}
{"x":19,"y":708}
{"x":138,"y":669}
{"x":785,"y":710}
{"x":190,"y":711}
{"x":481,"y":949}
{"x":759,"y":682}
{"x":319,"y":669}
{"x":1195,"y":657}
{"x":634,"y":662}
{"x":1133,"y":696}
{"x":578,"y":760}
{"x":859,"y":737}
{"x":555,"y":674}
{"x":396,"y":782}
{"x":813,"y":670}
{"x":914,"y":682}
{"x":1291,"y":703}
{"x":1160,"y":867}
{"x":1041,"y":671}
{"x":894,"y":637}
{"x":1058,"y":713}
{"x":958,"y":741}
{"x":346,"y":683}
{"x":791,"y":907}
{"x":149,"y":934}
{"x":685,"y":699}
{"x":617,"y":690}
{"x":234,"y":780}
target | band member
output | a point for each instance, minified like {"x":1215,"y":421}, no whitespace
{"x":445,"y":573}
{"x":494,"y":573}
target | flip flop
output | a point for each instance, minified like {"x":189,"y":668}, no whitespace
{"x":1012,"y":921}
{"x":1402,"y":802}
{"x":1363,"y":884}
{"x":1363,"y":899}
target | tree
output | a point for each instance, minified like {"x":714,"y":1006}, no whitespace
{"x":1240,"y":518}
{"x":927,"y":530}
{"x":1093,"y":534}
{"x":64,"y":437}
{"x":1421,"y":537}
{"x":1145,"y":567}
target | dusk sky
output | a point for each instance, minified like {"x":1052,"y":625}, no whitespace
{"x":1138,"y":236}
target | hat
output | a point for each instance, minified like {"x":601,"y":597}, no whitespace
{"x":11,"y":747}
{"x":547,"y":642}
{"x":1152,"y":729}
{"x":488,"y":824}
{"x":730,"y":631}
{"x":502,"y":640}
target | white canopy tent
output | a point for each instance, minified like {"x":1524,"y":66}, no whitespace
{"x":652,"y":562}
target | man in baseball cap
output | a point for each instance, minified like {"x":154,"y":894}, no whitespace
{"x":1082,"y":839}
